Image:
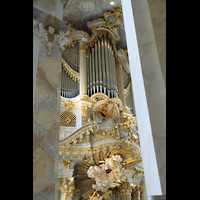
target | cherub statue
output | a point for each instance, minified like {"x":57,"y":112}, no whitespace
{"x":52,"y":34}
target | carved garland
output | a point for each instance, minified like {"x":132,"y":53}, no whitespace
{"x":73,"y":74}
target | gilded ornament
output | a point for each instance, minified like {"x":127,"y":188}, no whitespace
{"x":68,"y":104}
{"x":85,"y":111}
{"x":72,"y":73}
{"x":51,"y":31}
{"x":125,"y":189}
{"x":66,"y":164}
{"x":83,"y":46}
{"x":68,"y":118}
{"x":66,"y":185}
{"x":137,"y":172}
{"x":113,"y":19}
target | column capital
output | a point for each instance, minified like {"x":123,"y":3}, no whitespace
{"x":66,"y":164}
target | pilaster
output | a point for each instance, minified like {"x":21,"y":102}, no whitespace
{"x":149,"y":93}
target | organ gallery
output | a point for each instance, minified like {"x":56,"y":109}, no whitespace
{"x":99,"y":148}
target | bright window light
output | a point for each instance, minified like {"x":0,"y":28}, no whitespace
{"x":112,"y":3}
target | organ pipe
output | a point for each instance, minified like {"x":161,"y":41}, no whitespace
{"x":110,"y":68}
{"x":90,"y":74}
{"x":103,"y":66}
{"x":107,"y":67}
{"x":100,"y":74}
{"x":93,"y":73}
{"x":100,"y":67}
{"x":96,"y":69}
{"x":69,"y":88}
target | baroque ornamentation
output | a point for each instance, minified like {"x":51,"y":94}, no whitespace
{"x":66,"y":185}
{"x":85,"y":111}
{"x":68,"y":118}
{"x":66,"y":164}
{"x":72,"y":73}
{"x":103,"y":168}
{"x":113,"y":19}
{"x":126,"y":189}
{"x":106,"y":108}
{"x":107,"y":172}
{"x":52,"y":35}
{"x":68,"y":104}
{"x":72,"y":139}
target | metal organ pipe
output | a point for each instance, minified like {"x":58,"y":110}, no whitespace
{"x":107,"y":66}
{"x":115,"y":75}
{"x":102,"y":69}
{"x":93,"y":73}
{"x":110,"y":69}
{"x":103,"y":66}
{"x":90,"y":74}
{"x":87,"y":74}
{"x":69,"y":88}
{"x":96,"y":68}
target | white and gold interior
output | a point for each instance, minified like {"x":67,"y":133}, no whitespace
{"x":84,"y":92}
{"x":96,"y":124}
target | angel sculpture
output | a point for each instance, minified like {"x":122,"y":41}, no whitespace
{"x":109,"y":108}
{"x":52,"y":35}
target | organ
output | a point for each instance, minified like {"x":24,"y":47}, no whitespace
{"x":99,"y":62}
{"x":97,"y":118}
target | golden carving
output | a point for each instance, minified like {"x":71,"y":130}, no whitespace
{"x":114,"y":132}
{"x":129,"y":121}
{"x":125,"y":189}
{"x":101,"y":153}
{"x":68,"y":104}
{"x":107,"y":194}
{"x":98,"y":97}
{"x":47,"y":25}
{"x":136,"y":191}
{"x":115,"y":19}
{"x":83,"y":46}
{"x":81,"y":131}
{"x":105,"y":107}
{"x":137,"y":172}
{"x":66,"y":164}
{"x":68,"y":118}
{"x":85,"y":111}
{"x":91,"y":119}
{"x":73,"y":42}
{"x":66,"y":185}
{"x":73,"y":74}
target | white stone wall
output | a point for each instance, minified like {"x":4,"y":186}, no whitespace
{"x":148,"y":91}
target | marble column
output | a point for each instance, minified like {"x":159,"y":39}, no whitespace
{"x":83,"y":78}
{"x":46,"y":125}
{"x":149,"y":93}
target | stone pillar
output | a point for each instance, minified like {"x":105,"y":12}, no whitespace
{"x":67,"y":187}
{"x":125,"y":190}
{"x":149,"y":93}
{"x":46,"y":125}
{"x":82,"y":66}
{"x":121,"y":85}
